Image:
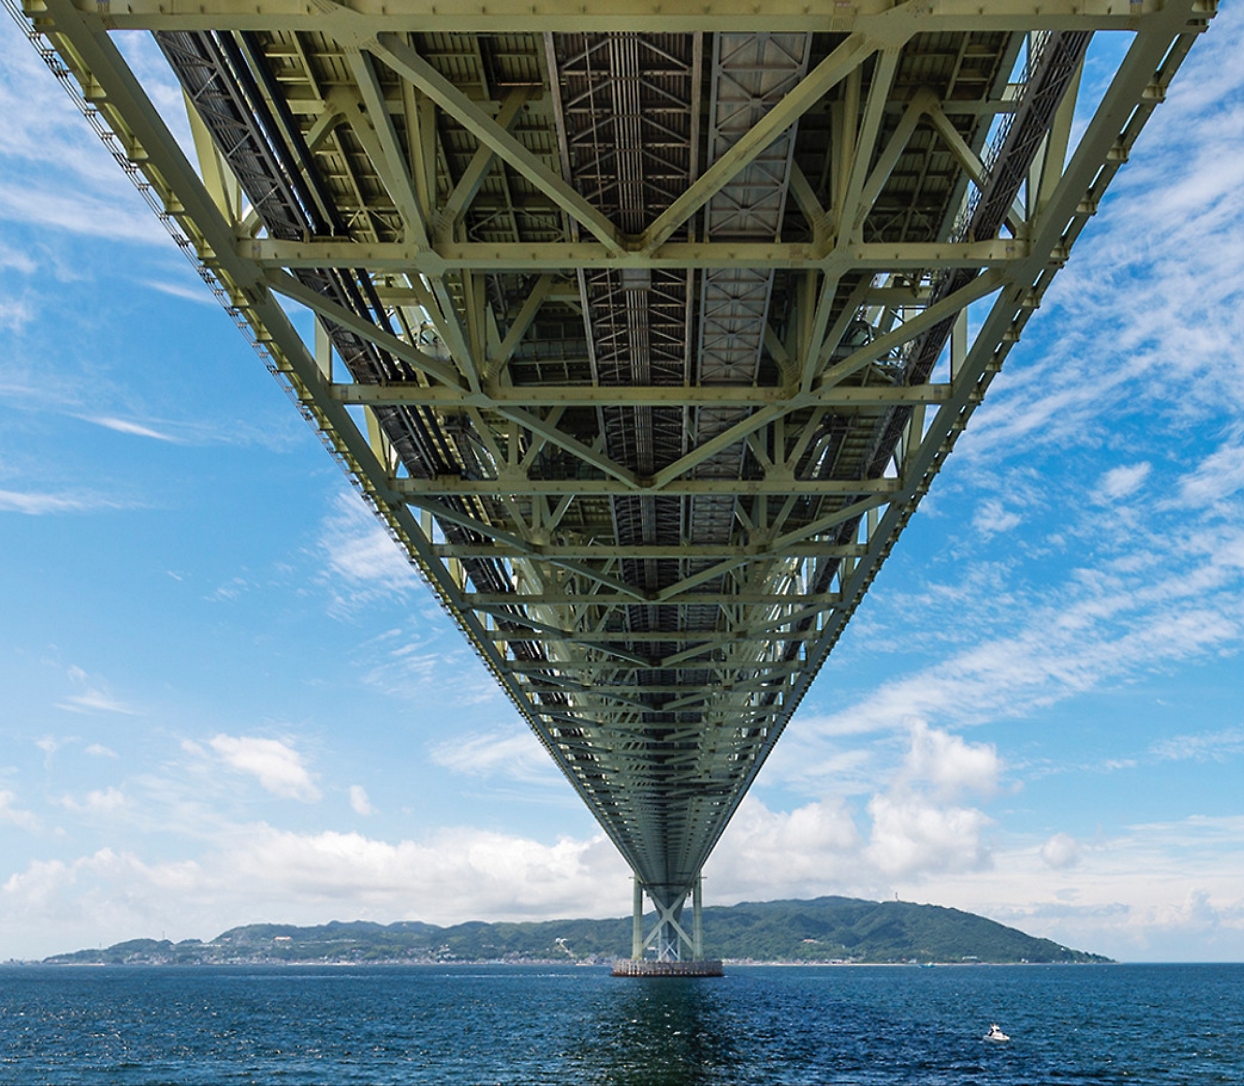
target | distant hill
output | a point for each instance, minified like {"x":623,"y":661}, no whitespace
{"x":825,"y":929}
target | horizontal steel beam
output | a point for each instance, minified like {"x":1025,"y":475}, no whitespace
{"x":623,"y":599}
{"x":776,"y":483}
{"x":610,"y":672}
{"x":415,"y":395}
{"x":590,"y":637}
{"x":381,"y":257}
{"x":880,"y":18}
{"x":603,"y":551}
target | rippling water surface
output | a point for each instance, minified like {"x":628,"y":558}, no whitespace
{"x":478,"y":1025}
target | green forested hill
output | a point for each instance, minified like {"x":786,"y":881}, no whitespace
{"x":825,"y":929}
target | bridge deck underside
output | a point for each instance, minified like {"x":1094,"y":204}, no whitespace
{"x":645,"y":341}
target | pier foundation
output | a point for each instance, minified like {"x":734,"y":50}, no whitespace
{"x":673,"y":952}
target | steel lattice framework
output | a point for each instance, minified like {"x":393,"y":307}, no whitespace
{"x":643,"y":327}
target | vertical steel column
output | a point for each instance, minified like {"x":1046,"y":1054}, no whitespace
{"x":637,"y":922}
{"x":697,"y":919}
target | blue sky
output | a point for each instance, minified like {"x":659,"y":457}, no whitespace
{"x":224,"y":697}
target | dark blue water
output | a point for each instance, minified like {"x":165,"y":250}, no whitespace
{"x":382,"y":1026}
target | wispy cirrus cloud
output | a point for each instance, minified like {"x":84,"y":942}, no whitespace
{"x":57,"y":173}
{"x":514,"y":753}
{"x":1152,"y":581}
{"x":39,"y":504}
{"x":1218,"y":746}
{"x":11,"y":813}
{"x":129,"y":426}
{"x":365,"y":564}
{"x":1143,"y":321}
{"x":93,"y":696}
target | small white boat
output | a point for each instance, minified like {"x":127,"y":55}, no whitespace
{"x":995,"y":1033}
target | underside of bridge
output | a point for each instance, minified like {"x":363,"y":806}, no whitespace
{"x":643,"y":328}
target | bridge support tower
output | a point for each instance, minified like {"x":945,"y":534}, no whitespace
{"x":674,"y":952}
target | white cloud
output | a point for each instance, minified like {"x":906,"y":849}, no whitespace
{"x":1167,"y":592}
{"x":992,"y":518}
{"x":16,"y":313}
{"x":359,"y":800}
{"x":258,"y":872}
{"x":93,"y":701}
{"x":94,"y":696}
{"x":508,"y":752}
{"x":1205,"y":746}
{"x":767,"y":854}
{"x":365,"y":564}
{"x":98,"y":750}
{"x":37,"y":504}
{"x":278,"y":766}
{"x":17,"y":260}
{"x":912,"y":836}
{"x":1124,"y":480}
{"x":189,"y":292}
{"x":917,"y":828}
{"x":101,"y":801}
{"x":949,"y":764}
{"x":1060,"y":851}
{"x":11,"y":813}
{"x":128,"y":426}
{"x":1217,"y":477}
{"x":1160,"y":891}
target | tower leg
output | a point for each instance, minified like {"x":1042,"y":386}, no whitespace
{"x":697,"y":920}
{"x":637,"y":923}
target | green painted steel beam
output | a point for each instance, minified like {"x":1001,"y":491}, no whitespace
{"x":881,"y":18}
{"x":400,"y":257}
{"x":780,"y":484}
{"x":450,"y":399}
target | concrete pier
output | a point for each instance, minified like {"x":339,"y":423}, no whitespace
{"x":628,"y":967}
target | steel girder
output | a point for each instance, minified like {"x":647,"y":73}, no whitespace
{"x":427,"y":195}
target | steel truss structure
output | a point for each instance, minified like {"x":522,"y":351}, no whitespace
{"x":643,"y":327}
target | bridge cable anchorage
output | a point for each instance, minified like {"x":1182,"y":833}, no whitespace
{"x":644,"y":345}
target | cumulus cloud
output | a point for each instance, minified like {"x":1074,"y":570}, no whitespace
{"x":1158,"y":891}
{"x":912,"y":835}
{"x":766,"y":853}
{"x":948,"y":764}
{"x":279,"y":768}
{"x":360,"y":802}
{"x":259,"y":872}
{"x":98,"y":750}
{"x":1061,"y":851}
{"x":916,"y":825}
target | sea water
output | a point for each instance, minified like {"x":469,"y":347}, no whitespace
{"x":385,"y":1025}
